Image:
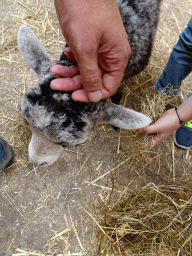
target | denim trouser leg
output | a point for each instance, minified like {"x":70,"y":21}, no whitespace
{"x":179,"y":64}
{"x":2,"y":151}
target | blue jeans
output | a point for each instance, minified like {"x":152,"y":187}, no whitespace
{"x":179,"y":64}
{"x":2,"y":152}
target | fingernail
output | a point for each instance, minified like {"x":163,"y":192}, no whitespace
{"x":95,"y":96}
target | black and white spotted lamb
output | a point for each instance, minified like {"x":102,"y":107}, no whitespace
{"x":55,"y":119}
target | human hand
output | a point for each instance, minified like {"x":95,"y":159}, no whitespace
{"x":99,"y":44}
{"x":163,"y":127}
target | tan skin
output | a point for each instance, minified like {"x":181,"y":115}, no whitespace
{"x":98,"y":42}
{"x":169,"y":122}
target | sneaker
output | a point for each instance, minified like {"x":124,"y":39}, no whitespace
{"x":6,"y":154}
{"x":183,"y":136}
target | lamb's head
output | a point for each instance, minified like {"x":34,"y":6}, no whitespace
{"x":55,"y":119}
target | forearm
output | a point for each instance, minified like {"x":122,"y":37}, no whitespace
{"x":92,"y":12}
{"x":185,"y":110}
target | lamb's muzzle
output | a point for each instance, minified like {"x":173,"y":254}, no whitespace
{"x":43,"y":152}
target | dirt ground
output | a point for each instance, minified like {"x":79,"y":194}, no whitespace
{"x":37,"y":204}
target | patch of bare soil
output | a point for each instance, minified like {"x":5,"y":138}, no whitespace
{"x":59,"y":209}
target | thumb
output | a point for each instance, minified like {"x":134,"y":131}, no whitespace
{"x":90,"y":73}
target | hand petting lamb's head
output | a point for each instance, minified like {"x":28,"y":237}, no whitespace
{"x":55,"y":119}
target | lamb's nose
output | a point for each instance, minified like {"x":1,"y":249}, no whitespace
{"x":36,"y":165}
{"x":43,"y":164}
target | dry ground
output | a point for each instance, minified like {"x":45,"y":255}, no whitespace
{"x":37,"y":204}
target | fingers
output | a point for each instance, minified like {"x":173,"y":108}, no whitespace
{"x":97,"y":85}
{"x":75,"y":84}
{"x":71,"y":81}
{"x":90,"y":75}
{"x":81,"y":95}
{"x":150,"y":129}
{"x":110,"y":84}
{"x":158,"y":137}
{"x":159,"y":133}
{"x":63,"y":71}
{"x":67,"y":84}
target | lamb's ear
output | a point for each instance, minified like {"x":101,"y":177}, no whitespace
{"x":32,"y":50}
{"x":123,"y":117}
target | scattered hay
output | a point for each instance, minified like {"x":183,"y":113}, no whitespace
{"x":151,"y":220}
{"x":152,"y":214}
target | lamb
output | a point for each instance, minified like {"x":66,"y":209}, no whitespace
{"x":55,"y":119}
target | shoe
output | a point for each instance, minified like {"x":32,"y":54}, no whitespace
{"x":6,"y":154}
{"x":167,"y":107}
{"x":183,"y":136}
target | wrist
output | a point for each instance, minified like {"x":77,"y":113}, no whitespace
{"x":185,"y":110}
{"x":172,"y":122}
{"x":180,"y":121}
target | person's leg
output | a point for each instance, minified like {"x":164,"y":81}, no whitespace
{"x":177,"y":69}
{"x":183,"y":136}
{"x":179,"y":64}
{"x":6,"y":154}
